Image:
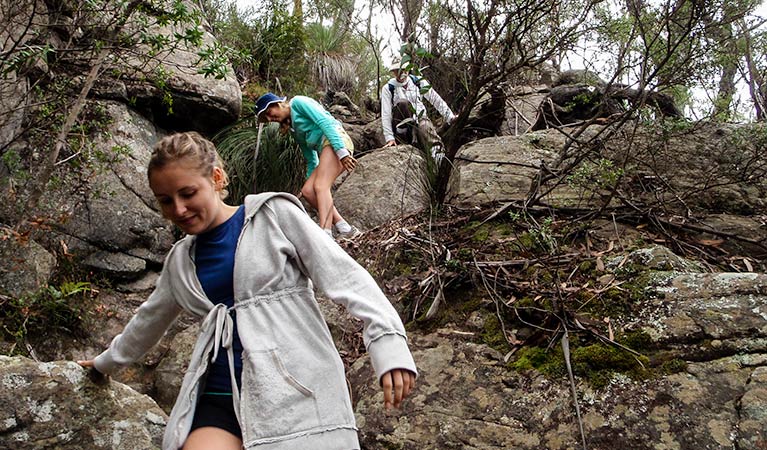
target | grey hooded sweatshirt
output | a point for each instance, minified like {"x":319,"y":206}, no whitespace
{"x":294,"y":392}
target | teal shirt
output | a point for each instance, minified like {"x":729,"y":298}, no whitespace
{"x":311,"y":124}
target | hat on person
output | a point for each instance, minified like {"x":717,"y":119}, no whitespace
{"x":264,"y":102}
{"x":396,"y":65}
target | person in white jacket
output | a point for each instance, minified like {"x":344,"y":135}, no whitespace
{"x":403,"y":114}
{"x":264,"y":373}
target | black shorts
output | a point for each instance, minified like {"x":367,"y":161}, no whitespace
{"x":216,"y":411}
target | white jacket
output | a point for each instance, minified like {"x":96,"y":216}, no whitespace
{"x":412,"y":93}
{"x":294,"y":392}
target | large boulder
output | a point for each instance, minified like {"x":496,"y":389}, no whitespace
{"x":701,"y":168}
{"x":55,"y":405}
{"x":386,"y":184}
{"x":705,"y":314}
{"x":366,"y":138}
{"x":183,"y":98}
{"x":112,"y":223}
{"x":505,"y":168}
{"x":696,"y":170}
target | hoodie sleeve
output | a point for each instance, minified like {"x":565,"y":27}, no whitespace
{"x":144,"y":330}
{"x":386,"y":106}
{"x":436,"y":101}
{"x":347,"y":283}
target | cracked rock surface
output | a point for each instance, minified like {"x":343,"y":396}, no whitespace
{"x":466,"y":397}
{"x":55,"y":405}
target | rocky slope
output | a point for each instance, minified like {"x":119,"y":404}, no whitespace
{"x":646,"y":242}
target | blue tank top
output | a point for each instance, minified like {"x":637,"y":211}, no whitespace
{"x":214,"y":260}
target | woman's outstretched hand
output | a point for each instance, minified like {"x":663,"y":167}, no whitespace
{"x":93,"y":373}
{"x":397,"y":384}
{"x":349,"y":163}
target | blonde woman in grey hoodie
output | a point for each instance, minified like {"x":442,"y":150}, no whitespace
{"x":264,"y":373}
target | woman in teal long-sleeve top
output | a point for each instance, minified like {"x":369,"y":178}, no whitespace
{"x":325,"y":146}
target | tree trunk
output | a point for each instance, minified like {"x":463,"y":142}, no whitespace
{"x":756,"y":86}
{"x":298,"y":11}
{"x":411,"y":11}
{"x":434,"y":24}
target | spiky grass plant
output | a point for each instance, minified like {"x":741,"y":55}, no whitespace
{"x":429,"y":171}
{"x":278,"y":166}
{"x":333,"y":65}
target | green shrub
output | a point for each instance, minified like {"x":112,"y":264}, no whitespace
{"x":279,"y":165}
{"x":51,"y":308}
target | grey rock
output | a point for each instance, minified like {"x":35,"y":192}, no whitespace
{"x":502,"y":169}
{"x":116,"y":213}
{"x":199,"y":103}
{"x":13,"y":100}
{"x":25,"y":266}
{"x":14,"y":87}
{"x":467,"y":399}
{"x":657,"y":257}
{"x":55,"y":405}
{"x":683,"y":310}
{"x":116,"y":264}
{"x":143,"y":284}
{"x":170,"y":372}
{"x":750,"y":228}
{"x":384,"y":185}
{"x":752,"y":409}
{"x":522,"y":111}
{"x":366,"y":137}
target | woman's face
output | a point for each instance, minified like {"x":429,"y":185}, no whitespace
{"x":187,"y":198}
{"x":277,"y":112}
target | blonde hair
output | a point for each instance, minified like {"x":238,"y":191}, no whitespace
{"x":192,"y":148}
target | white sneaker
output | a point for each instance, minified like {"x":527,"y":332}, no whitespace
{"x":351,"y":234}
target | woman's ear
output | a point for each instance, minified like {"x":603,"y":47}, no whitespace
{"x":218,"y":178}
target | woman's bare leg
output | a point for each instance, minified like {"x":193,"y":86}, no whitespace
{"x":307,"y":192}
{"x":318,"y":187}
{"x":206,"y":438}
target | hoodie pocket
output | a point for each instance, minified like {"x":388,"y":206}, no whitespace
{"x":274,"y":403}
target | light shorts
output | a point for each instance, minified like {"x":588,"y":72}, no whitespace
{"x":348,"y":144}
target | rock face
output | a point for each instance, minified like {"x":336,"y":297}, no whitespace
{"x":25,"y":266}
{"x":98,"y":199}
{"x":182,"y":98}
{"x":725,"y":311}
{"x":502,"y":169}
{"x":170,"y":372}
{"x":55,"y":405}
{"x":706,"y":169}
{"x":521,"y":115}
{"x":715,"y":323}
{"x":695,"y":170}
{"x":113,"y":225}
{"x":384,"y":185}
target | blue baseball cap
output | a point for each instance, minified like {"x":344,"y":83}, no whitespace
{"x":264,"y":102}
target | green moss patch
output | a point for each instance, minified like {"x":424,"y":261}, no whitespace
{"x":596,"y":362}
